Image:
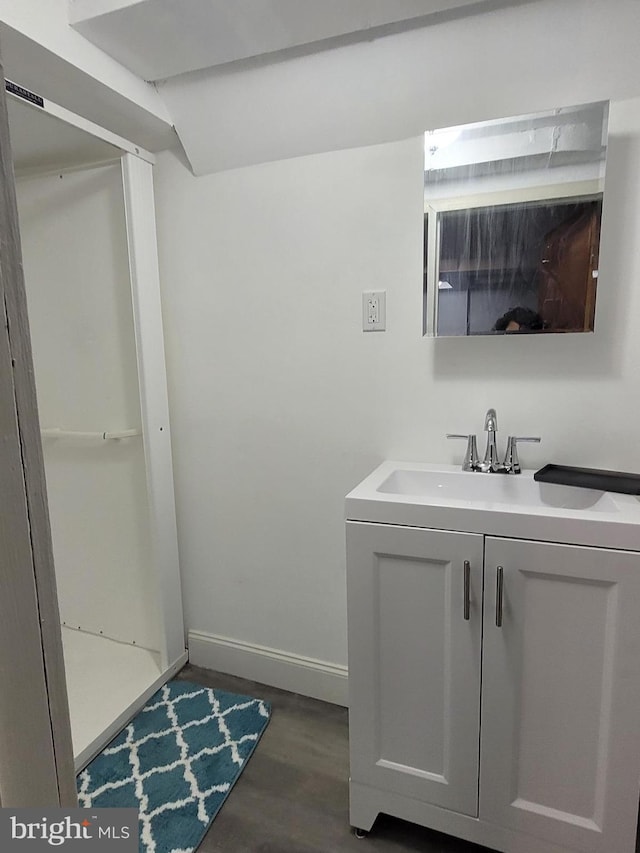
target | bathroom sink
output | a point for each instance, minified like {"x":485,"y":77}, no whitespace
{"x":493,"y":488}
{"x":444,"y":497}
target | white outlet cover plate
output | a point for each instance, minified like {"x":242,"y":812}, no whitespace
{"x":374,"y":310}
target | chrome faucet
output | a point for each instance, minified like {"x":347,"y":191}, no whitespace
{"x":491,"y":463}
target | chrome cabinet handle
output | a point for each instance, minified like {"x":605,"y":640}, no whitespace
{"x":499,"y":590}
{"x":467,"y":589}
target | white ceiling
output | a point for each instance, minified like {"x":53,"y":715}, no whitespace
{"x":56,"y":77}
{"x":158,"y":39}
{"x":251,"y":81}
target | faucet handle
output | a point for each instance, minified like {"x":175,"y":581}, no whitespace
{"x":511,"y":461}
{"x":471,"y":460}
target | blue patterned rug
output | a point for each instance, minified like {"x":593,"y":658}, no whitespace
{"x":176,"y":762}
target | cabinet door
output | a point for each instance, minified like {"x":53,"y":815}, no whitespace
{"x":414,"y":662}
{"x":560,"y":746}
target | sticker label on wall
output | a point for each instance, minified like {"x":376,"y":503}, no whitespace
{"x":23,"y":93}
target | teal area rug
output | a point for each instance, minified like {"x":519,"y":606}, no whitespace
{"x":176,"y":762}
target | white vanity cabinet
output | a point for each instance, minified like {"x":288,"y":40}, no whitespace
{"x":414,"y":662}
{"x":514,"y":726}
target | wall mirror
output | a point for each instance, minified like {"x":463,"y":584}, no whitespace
{"x":512,"y":212}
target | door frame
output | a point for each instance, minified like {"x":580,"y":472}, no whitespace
{"x":36,"y":752}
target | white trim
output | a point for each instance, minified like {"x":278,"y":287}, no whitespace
{"x":137,"y":176}
{"x":37,"y":172}
{"x":276,"y":667}
{"x":431,"y":291}
{"x":127,"y":715}
{"x":87,"y":126}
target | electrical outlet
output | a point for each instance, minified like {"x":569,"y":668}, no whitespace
{"x":374,"y":311}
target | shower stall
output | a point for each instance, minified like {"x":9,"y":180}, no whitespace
{"x":87,"y":229}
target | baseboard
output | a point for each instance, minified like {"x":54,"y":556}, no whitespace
{"x":298,"y":674}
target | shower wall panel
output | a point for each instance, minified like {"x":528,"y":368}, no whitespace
{"x":79,"y":299}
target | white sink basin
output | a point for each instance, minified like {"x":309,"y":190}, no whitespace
{"x":444,"y":497}
{"x":493,"y":488}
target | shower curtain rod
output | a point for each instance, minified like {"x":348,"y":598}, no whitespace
{"x":106,"y":435}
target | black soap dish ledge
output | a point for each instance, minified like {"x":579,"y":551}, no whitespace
{"x":590,"y":478}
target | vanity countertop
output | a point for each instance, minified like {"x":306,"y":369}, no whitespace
{"x":443,"y":497}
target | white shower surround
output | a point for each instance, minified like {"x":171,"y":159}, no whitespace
{"x":111,"y":500}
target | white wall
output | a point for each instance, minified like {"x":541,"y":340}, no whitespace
{"x":77,"y":280}
{"x":280,"y":403}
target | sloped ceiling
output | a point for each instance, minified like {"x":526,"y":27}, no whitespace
{"x":157,"y":39}
{"x":57,"y":77}
{"x":239,"y":78}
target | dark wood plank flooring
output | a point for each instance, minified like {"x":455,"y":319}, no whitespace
{"x":293,"y":796}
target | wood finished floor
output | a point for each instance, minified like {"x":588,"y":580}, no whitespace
{"x":293,"y":797}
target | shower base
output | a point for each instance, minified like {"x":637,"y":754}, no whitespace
{"x":107,"y":682}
